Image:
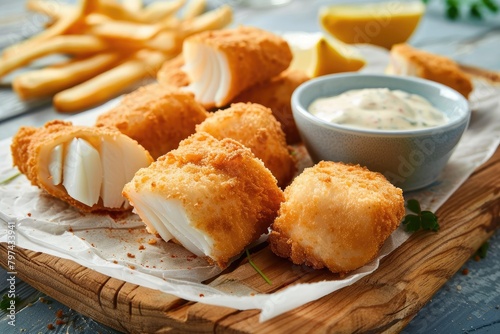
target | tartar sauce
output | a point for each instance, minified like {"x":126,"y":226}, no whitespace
{"x":378,"y":108}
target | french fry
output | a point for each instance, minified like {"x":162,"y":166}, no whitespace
{"x":90,"y":6}
{"x":193,"y":9}
{"x":125,"y":30}
{"x":110,"y":83}
{"x":51,"y":80}
{"x":116,"y":11}
{"x":60,"y":27}
{"x":214,"y":19}
{"x":168,"y":42}
{"x":97,"y":34}
{"x":69,"y":44}
{"x":160,"y":10}
{"x":53,"y":9}
{"x":93,"y":19}
{"x":132,"y":5}
{"x":153,"y":13}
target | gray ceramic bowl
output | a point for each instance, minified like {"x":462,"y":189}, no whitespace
{"x":410,"y":159}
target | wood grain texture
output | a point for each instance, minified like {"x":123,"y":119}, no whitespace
{"x":384,"y":301}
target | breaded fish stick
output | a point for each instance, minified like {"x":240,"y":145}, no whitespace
{"x":254,"y":126}
{"x":213,"y":197}
{"x":406,"y":60}
{"x":276,"y":94}
{"x":221,"y":64}
{"x":157,"y":116}
{"x":84,"y":166}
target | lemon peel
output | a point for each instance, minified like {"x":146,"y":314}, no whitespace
{"x":317,"y":54}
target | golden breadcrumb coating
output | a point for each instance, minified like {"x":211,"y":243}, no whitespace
{"x":31,"y":148}
{"x":226,"y":192}
{"x":430,"y":66}
{"x":254,"y":126}
{"x":276,"y":94}
{"x":171,"y":73}
{"x":157,"y":116}
{"x":252,"y":56}
{"x":336,"y":216}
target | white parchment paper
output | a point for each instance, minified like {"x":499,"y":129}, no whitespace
{"x":119,"y":246}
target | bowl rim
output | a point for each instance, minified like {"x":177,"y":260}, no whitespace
{"x":461,"y":101}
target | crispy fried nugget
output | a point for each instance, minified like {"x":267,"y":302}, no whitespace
{"x":406,"y":60}
{"x":276,"y":94}
{"x":171,"y":73}
{"x":84,"y":166}
{"x":254,"y":126}
{"x":157,"y":116}
{"x":336,"y":216}
{"x":220,"y":64}
{"x":213,"y":197}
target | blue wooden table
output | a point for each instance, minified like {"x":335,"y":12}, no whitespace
{"x":468,"y":302}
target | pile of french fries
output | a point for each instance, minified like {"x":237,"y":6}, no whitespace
{"x":110,"y":45}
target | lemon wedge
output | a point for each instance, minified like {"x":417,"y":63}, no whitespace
{"x":383,"y":23}
{"x":317,"y":55}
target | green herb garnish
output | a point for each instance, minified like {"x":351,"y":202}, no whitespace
{"x":6,"y":302}
{"x":10,"y":178}
{"x":257,"y":268}
{"x":421,"y":220}
{"x":475,"y":8}
{"x":481,"y":252}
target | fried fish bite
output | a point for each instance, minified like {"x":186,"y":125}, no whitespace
{"x":212,"y":196}
{"x":254,"y":126}
{"x":405,"y":60}
{"x":157,"y":116}
{"x":220,"y":64}
{"x":171,"y":73}
{"x":276,"y":94}
{"x":84,"y":166}
{"x":336,"y":216}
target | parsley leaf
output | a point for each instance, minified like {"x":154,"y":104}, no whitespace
{"x":6,"y":302}
{"x":475,"y":8}
{"x":481,"y":252}
{"x":413,"y":205}
{"x":421,"y":220}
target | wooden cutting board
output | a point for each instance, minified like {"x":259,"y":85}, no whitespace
{"x":384,"y":301}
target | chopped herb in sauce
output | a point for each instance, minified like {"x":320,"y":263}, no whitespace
{"x":378,"y":108}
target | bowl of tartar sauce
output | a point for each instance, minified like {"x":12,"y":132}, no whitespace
{"x":403,"y":127}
